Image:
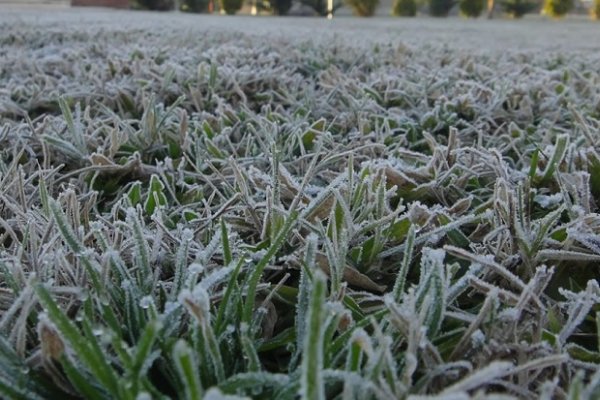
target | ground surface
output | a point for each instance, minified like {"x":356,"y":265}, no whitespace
{"x":377,"y":208}
{"x":576,"y":33}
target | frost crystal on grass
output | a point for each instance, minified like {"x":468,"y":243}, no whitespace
{"x":549,"y":201}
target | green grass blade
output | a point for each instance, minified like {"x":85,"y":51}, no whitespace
{"x":82,"y":382}
{"x":400,"y":282}
{"x":90,"y":355}
{"x":186,"y":366}
{"x":143,"y":349}
{"x":259,"y":268}
{"x":312,"y":385}
{"x":227,"y":258}
{"x":226,"y":306}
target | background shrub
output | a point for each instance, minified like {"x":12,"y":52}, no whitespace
{"x":596,"y":9}
{"x":363,"y":8}
{"x":471,"y":8}
{"x":320,"y":6}
{"x":156,"y":5}
{"x":518,"y":8}
{"x":558,"y":8}
{"x":404,"y":8}
{"x":195,"y":6}
{"x":440,"y":8}
{"x":231,"y":6}
{"x":280,"y":7}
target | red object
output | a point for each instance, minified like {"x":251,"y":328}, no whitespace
{"x":101,"y":3}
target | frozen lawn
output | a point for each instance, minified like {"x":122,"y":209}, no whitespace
{"x":576,"y":33}
{"x":350,"y":209}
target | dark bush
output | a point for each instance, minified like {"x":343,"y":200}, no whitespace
{"x":518,"y":8}
{"x":231,"y":6}
{"x":156,"y":5}
{"x":280,"y":7}
{"x":404,"y":8}
{"x":440,"y":8}
{"x":558,"y":8}
{"x":194,"y":6}
{"x":363,"y":8}
{"x":471,"y":8}
{"x":320,"y":6}
{"x":596,"y":9}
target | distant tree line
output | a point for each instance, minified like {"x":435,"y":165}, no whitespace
{"x":366,"y":8}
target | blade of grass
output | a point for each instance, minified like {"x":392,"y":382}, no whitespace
{"x":259,"y":268}
{"x":312,"y":386}
{"x":91,"y":355}
{"x":186,"y":366}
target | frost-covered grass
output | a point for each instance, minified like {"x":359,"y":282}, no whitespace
{"x":300,"y":210}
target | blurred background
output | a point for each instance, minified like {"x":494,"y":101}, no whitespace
{"x":363,"y":8}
